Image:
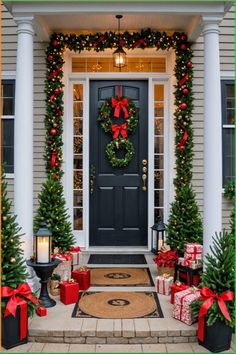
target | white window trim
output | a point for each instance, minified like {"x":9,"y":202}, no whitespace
{"x":227,"y":75}
{"x":9,"y":75}
{"x":167,"y":79}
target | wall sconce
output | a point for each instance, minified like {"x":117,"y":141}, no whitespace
{"x":119,"y":55}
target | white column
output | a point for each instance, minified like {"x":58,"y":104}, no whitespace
{"x":212,"y":133}
{"x":23,"y":132}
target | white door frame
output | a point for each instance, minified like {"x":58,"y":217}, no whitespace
{"x":167,"y":79}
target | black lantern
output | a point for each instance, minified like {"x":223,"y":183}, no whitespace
{"x":119,"y":55}
{"x":43,"y":244}
{"x":158,"y":230}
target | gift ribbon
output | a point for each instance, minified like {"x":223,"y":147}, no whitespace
{"x":119,"y":129}
{"x":181,"y":302}
{"x":183,"y":80}
{"x":187,"y":261}
{"x":15,"y":300}
{"x":183,"y":141}
{"x":74,"y":249}
{"x":208,"y":297}
{"x":194,"y":253}
{"x":53,"y":158}
{"x":62,"y":256}
{"x":119,"y":104}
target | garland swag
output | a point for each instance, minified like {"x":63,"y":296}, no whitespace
{"x":182,"y":226}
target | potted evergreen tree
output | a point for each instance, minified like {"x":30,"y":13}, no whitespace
{"x":18,"y":302}
{"x":215,"y":307}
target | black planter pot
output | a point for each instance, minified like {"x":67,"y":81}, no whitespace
{"x":217,"y":338}
{"x":11,"y":331}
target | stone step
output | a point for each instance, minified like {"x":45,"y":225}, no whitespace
{"x":103,"y":331}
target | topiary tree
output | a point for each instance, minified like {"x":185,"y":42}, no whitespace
{"x":13,"y":263}
{"x":52,"y":209}
{"x":218,"y":277}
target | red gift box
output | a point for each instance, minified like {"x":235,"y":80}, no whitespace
{"x":175,"y":288}
{"x":69,"y":292}
{"x":82,"y":276}
{"x":184,"y":276}
{"x":41,"y":311}
{"x":182,"y":305}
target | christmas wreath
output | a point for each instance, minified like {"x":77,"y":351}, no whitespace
{"x":115,"y":145}
{"x":112,"y":107}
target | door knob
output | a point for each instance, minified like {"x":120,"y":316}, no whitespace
{"x":144,"y":162}
{"x":144,"y":178}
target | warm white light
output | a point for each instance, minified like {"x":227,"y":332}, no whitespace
{"x":43,"y":250}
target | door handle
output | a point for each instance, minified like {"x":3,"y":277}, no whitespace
{"x":144,"y":178}
{"x":92,"y":178}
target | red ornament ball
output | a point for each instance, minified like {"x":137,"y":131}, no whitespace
{"x":55,"y":43}
{"x":189,"y":64}
{"x":183,"y":46}
{"x":183,"y":37}
{"x":49,"y":142}
{"x":57,"y":164}
{"x":53,"y":131}
{"x":57,"y":90}
{"x":185,"y":91}
{"x":183,"y":106}
{"x":158,"y":43}
{"x":50,"y":57}
{"x":58,"y":113}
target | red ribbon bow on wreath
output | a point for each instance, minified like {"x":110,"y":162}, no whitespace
{"x":15,"y":300}
{"x":119,"y":129}
{"x":208,"y":297}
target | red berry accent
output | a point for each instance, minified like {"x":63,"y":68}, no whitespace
{"x":158,"y":43}
{"x":49,"y":142}
{"x":57,"y":164}
{"x":56,"y":178}
{"x":183,"y":37}
{"x":57,"y":90}
{"x":53,"y":131}
{"x":50,"y":57}
{"x":185,"y":91}
{"x":183,"y":106}
{"x":189,"y":64}
{"x":183,"y":46}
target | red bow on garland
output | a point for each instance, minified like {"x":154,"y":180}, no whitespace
{"x":208,"y":297}
{"x":15,"y":300}
{"x":53,"y":158}
{"x":183,"y":141}
{"x":119,"y":129}
{"x":120,"y":104}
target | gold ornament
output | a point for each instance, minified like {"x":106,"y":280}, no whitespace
{"x":4,"y":218}
{"x":12,"y":260}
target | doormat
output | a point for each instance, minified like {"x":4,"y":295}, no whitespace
{"x":117,"y":259}
{"x":121,"y":277}
{"x":118,"y":304}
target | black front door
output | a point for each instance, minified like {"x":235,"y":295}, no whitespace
{"x":118,"y":203}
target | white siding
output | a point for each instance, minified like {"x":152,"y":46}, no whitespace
{"x":227,"y":64}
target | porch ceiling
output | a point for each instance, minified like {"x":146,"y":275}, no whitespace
{"x":89,"y":16}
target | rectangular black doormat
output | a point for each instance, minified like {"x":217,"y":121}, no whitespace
{"x":117,"y":259}
{"x":118,"y":304}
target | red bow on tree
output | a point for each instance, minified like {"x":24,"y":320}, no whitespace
{"x":120,"y":104}
{"x":208,"y":297}
{"x":15,"y":300}
{"x":119,"y":129}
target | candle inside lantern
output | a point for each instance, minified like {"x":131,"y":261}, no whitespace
{"x":160,"y":244}
{"x":43,"y":250}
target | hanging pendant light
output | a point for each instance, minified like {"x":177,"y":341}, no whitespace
{"x":119,"y":55}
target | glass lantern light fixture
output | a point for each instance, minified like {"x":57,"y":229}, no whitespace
{"x":43,"y":244}
{"x":119,"y":55}
{"x":158,"y":231}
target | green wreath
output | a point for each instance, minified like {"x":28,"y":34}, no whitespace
{"x":107,"y":113}
{"x":120,"y":144}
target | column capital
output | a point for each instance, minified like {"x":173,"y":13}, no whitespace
{"x":210,"y":24}
{"x":24,"y":25}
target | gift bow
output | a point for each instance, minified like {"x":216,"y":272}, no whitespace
{"x":166,"y":275}
{"x":187,"y":261}
{"x":74,"y":249}
{"x":23,"y":290}
{"x":208,"y":297}
{"x":119,"y":129}
{"x":62,"y":256}
{"x":120,"y":104}
{"x":82,"y":269}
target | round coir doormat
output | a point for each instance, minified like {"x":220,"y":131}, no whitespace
{"x":118,"y":305}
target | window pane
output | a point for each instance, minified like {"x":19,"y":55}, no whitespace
{"x":159,"y":148}
{"x":78,"y":180}
{"x":78,"y":219}
{"x":78,"y":92}
{"x":228,"y":154}
{"x":8,"y":144}
{"x":159,"y":126}
{"x":158,"y":198}
{"x":78,"y":145}
{"x":230,"y":116}
{"x":78,"y":127}
{"x":78,"y":162}
{"x":78,"y":198}
{"x":159,"y":162}
{"x":230,"y":90}
{"x":158,"y":180}
{"x":158,"y":109}
{"x":158,"y":212}
{"x":78,"y":109}
{"x":8,"y":97}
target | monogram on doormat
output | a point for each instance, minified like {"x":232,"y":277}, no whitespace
{"x":121,"y":277}
{"x":118,"y":304}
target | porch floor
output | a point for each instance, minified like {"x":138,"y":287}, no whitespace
{"x":59,"y":332}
